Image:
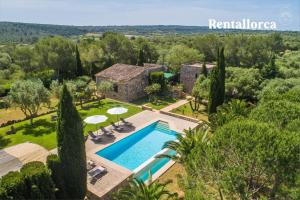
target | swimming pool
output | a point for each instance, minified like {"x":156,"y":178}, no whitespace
{"x":152,"y":166}
{"x":136,"y":149}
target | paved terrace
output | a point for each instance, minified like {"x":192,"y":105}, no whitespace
{"x":13,"y":158}
{"x":116,"y":174}
{"x":175,"y":105}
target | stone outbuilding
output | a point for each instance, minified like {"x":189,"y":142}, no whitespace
{"x":190,"y":73}
{"x":129,"y":80}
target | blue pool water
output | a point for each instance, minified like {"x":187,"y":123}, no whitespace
{"x":153,"y":167}
{"x":137,"y":148}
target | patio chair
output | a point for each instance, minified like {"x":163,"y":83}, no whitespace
{"x":95,"y":138}
{"x":106,"y":132}
{"x":96,"y":172}
{"x":115,"y":127}
{"x":126,"y":122}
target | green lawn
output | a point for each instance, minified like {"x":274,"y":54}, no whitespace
{"x":161,"y":103}
{"x":43,"y":130}
{"x":187,"y":111}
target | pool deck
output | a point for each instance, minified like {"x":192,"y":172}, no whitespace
{"x":117,"y":175}
{"x":14,"y":157}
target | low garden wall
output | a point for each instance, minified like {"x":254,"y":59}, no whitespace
{"x":11,"y":122}
{"x":180,"y":116}
{"x":147,"y":108}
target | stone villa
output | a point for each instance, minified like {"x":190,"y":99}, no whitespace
{"x":190,"y":73}
{"x":129,"y":80}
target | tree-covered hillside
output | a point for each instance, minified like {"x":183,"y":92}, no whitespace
{"x":29,"y":32}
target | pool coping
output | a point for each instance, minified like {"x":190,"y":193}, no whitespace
{"x":144,"y":164}
{"x":103,"y":146}
{"x":121,"y":174}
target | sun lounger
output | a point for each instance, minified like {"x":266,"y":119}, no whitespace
{"x":96,"y":138}
{"x":125,"y":122}
{"x":106,"y":132}
{"x":115,"y":127}
{"x":97,"y":171}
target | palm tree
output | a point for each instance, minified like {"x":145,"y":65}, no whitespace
{"x":138,"y":190}
{"x":184,"y":143}
{"x":227,"y":112}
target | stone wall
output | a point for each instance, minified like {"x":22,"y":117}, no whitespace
{"x":188,"y":76}
{"x":132,"y":89}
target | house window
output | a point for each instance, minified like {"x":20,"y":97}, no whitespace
{"x":196,"y":75}
{"x":116,"y":89}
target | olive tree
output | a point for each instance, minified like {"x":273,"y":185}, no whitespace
{"x":104,"y":87}
{"x":181,"y":54}
{"x":29,"y":96}
{"x":152,"y":91}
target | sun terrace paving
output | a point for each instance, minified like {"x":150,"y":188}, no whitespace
{"x":14,"y":157}
{"x":117,"y":175}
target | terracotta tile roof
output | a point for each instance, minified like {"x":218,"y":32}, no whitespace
{"x":152,"y":65}
{"x":121,"y":72}
{"x":208,"y":65}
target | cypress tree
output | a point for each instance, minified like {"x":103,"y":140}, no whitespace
{"x":79,"y":68}
{"x":221,"y":76}
{"x":204,"y":69}
{"x":141,"y":58}
{"x":217,"y":84}
{"x":213,"y":91}
{"x":71,"y":147}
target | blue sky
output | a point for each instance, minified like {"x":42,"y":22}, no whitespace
{"x":286,"y":13}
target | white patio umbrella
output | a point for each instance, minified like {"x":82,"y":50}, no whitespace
{"x":96,"y":119}
{"x":117,"y":111}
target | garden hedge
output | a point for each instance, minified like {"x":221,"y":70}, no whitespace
{"x":158,"y":77}
{"x":38,"y":181}
{"x":14,"y":185}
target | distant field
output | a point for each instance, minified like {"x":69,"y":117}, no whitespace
{"x":16,"y":113}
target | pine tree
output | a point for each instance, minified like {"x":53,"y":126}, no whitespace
{"x":217,"y":84}
{"x":141,"y":58}
{"x":71,"y":147}
{"x":270,"y":71}
{"x":79,"y":68}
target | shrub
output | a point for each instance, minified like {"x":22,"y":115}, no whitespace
{"x":5,"y":74}
{"x":54,"y":164}
{"x":152,"y":91}
{"x":14,"y":186}
{"x":4,"y":104}
{"x":38,"y":181}
{"x":3,"y":193}
{"x":36,"y":193}
{"x":158,"y":77}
